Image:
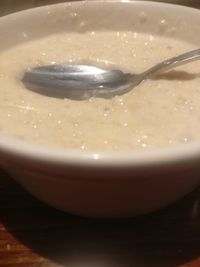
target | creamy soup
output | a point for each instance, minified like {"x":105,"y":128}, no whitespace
{"x":159,"y":112}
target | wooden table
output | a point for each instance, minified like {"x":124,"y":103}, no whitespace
{"x":34,"y":235}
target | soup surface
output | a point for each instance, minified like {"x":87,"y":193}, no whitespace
{"x":160,"y":112}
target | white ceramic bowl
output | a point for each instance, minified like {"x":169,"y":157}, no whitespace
{"x":102,"y":184}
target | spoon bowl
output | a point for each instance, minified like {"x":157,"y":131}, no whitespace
{"x":76,"y":81}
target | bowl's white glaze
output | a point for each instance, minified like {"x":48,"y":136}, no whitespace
{"x":102,"y":184}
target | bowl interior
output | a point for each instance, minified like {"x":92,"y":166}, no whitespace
{"x":182,"y":23}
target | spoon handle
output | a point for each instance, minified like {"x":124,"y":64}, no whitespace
{"x":172,"y":63}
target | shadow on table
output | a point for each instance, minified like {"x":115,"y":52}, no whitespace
{"x":166,"y":238}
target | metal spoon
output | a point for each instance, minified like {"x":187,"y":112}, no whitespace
{"x":82,"y":81}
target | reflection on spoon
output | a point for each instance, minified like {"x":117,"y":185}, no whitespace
{"x":82,"y":81}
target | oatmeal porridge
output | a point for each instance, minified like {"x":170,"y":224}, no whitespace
{"x":159,"y":112}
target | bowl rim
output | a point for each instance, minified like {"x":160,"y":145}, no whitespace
{"x":25,"y":152}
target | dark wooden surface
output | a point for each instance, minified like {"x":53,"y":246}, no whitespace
{"x":34,"y":235}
